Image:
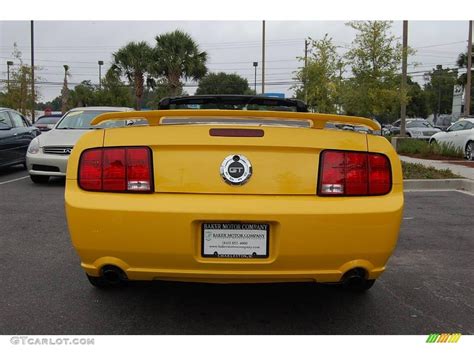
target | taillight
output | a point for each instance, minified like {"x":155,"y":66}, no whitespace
{"x":380,"y":175}
{"x":354,"y":174}
{"x":90,"y":170}
{"x":125,"y":169}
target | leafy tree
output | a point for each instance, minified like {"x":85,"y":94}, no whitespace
{"x":417,"y":101}
{"x":176,"y":56}
{"x":439,"y":89}
{"x":152,"y":97}
{"x":19,"y":95}
{"x":114,"y":92}
{"x":223,"y":83}
{"x":374,"y":59}
{"x":417,"y":105}
{"x":322,"y":76}
{"x":133,"y":60}
{"x":53,"y":105}
{"x":84,"y":94}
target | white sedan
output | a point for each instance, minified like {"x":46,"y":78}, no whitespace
{"x":48,"y":153}
{"x":460,"y":135}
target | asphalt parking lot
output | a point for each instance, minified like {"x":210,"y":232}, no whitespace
{"x":427,"y":288}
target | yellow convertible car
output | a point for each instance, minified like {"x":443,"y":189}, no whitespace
{"x":234,"y":196}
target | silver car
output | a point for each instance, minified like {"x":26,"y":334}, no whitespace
{"x":48,"y":153}
{"x":416,"y":128}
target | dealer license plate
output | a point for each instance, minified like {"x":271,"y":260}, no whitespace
{"x":235,"y":240}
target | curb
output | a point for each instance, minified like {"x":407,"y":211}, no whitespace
{"x":439,"y":184}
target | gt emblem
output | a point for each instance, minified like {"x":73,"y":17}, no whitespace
{"x":236,"y":169}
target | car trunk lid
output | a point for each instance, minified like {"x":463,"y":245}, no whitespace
{"x":188,"y":158}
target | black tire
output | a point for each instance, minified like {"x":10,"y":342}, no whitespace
{"x":469,"y":151}
{"x":355,"y":280}
{"x":119,"y":280}
{"x":98,"y":282}
{"x":433,"y":141}
{"x":39,"y":179}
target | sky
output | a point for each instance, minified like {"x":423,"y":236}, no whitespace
{"x":232,"y":46}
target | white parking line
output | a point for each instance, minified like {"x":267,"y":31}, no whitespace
{"x":441,"y":190}
{"x":8,"y":181}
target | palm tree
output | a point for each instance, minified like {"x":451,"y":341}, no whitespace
{"x":65,"y":90}
{"x":133,"y":61}
{"x":177,"y":56}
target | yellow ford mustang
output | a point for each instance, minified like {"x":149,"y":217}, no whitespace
{"x":234,"y":197}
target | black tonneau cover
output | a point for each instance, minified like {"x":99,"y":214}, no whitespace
{"x":232,"y":102}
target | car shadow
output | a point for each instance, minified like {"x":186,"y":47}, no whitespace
{"x":199,"y":308}
{"x":11,"y":170}
{"x":56,"y":181}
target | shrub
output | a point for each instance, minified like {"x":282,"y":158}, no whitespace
{"x":425,"y":149}
{"x":418,"y":171}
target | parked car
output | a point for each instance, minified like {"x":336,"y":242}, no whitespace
{"x":16,"y":134}
{"x":459,"y":135}
{"x":444,"y":121}
{"x":233,"y":196}
{"x":416,"y":128}
{"x":48,"y":154}
{"x":350,"y":127}
{"x":47,"y":122}
{"x":386,"y":129}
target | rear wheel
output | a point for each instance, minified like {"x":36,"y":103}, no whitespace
{"x":110,"y":277}
{"x":39,"y":179}
{"x":355,"y":280}
{"x":469,"y":151}
{"x":97,"y":281}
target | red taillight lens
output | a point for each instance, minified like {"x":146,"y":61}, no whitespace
{"x":116,"y":169}
{"x":354,"y":174}
{"x":90,"y":170}
{"x":380,"y":177}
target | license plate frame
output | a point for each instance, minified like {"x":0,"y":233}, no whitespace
{"x":236,"y":231}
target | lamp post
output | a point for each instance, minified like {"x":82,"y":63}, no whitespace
{"x":255,"y":65}
{"x":33,"y":99}
{"x":100,"y":62}
{"x":9,"y":63}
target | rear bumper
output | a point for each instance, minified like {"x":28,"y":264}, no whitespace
{"x":158,"y":236}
